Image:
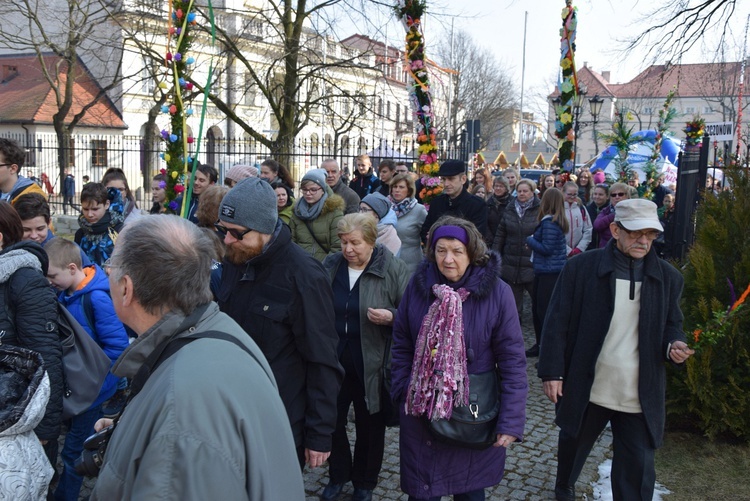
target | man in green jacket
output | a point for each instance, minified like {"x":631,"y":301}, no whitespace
{"x":208,"y":423}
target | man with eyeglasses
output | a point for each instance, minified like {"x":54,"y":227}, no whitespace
{"x":603,"y":352}
{"x":13,"y":185}
{"x":282,"y":297}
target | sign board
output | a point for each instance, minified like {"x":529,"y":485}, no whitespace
{"x":720,"y":131}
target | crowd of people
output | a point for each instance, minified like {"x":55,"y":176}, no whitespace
{"x":241,"y":336}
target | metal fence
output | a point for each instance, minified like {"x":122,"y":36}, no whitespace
{"x":89,"y":156}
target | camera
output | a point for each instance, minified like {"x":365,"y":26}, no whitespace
{"x":92,"y":456}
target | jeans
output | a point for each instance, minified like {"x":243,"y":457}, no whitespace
{"x":81,"y":428}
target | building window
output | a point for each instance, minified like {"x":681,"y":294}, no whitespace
{"x":388,"y":110}
{"x":148,"y":85}
{"x":648,"y":110}
{"x":99,"y":153}
{"x":707,"y":110}
{"x":690,"y":109}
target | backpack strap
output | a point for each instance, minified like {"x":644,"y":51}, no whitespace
{"x":166,"y":350}
{"x":312,"y":233}
{"x":88,"y":312}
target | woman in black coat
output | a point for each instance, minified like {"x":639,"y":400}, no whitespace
{"x":28,"y":317}
{"x":517,"y":224}
{"x":496,"y":204}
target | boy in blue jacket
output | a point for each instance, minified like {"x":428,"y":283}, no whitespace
{"x":85,"y":293}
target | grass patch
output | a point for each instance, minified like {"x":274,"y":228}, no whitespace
{"x":694,"y":468}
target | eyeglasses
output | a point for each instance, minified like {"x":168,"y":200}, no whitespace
{"x":6,"y":165}
{"x":310,"y":191}
{"x":638,"y":234}
{"x":619,"y":194}
{"x":237,"y":234}
{"x":575,"y":194}
{"x":559,"y":181}
{"x":107,"y":266}
{"x":365,"y":209}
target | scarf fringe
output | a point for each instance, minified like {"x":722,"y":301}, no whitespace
{"x":439,"y":379}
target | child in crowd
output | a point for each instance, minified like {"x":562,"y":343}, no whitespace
{"x":85,"y":293}
{"x":100,"y":222}
{"x":35,"y":217}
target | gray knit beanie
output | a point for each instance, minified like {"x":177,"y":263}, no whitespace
{"x":252,"y":204}
{"x":378,"y":203}
{"x":317,"y":176}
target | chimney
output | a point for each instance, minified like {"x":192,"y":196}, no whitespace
{"x":605,"y":75}
{"x":9,"y":73}
{"x":585,"y":64}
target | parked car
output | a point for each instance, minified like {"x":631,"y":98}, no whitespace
{"x":533,"y":174}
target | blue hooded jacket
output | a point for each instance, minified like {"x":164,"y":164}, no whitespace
{"x":107,"y":331}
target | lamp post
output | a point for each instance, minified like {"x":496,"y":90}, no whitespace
{"x":577,"y":105}
{"x":595,"y":105}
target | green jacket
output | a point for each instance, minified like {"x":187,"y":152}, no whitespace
{"x":324,"y":227}
{"x":285,"y":214}
{"x":381,"y":286}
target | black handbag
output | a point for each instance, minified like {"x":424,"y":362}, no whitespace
{"x":472,"y":426}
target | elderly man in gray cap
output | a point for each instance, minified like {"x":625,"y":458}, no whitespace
{"x":282,"y":297}
{"x":455,"y":199}
{"x":613,"y":322}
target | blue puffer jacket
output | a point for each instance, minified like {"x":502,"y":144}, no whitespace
{"x":108,"y":331}
{"x":548,"y":244}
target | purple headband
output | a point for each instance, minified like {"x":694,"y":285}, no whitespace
{"x":449,"y":231}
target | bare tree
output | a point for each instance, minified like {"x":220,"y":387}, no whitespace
{"x":62,"y":39}
{"x":276,"y":63}
{"x":674,"y":27}
{"x":482,"y":87}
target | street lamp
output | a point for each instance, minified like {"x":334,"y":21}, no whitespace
{"x":577,"y":105}
{"x":595,"y":107}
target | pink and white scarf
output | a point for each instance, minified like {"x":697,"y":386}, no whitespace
{"x":439,"y":378}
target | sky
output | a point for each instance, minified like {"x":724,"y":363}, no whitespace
{"x":602,"y":24}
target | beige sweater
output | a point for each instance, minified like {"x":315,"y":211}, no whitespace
{"x":616,"y":376}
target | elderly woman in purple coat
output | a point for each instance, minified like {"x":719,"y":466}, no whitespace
{"x":456,"y":318}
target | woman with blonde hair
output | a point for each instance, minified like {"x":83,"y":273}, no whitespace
{"x":550,"y":254}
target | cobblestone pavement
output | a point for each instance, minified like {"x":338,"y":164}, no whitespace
{"x":529,"y":469}
{"x":530,"y":466}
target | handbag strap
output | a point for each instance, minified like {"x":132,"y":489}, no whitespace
{"x":327,"y":250}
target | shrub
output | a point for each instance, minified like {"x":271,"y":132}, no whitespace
{"x":712,"y":392}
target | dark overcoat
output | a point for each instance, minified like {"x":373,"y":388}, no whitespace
{"x":578,"y":318}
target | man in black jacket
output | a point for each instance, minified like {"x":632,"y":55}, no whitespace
{"x":613,"y":321}
{"x":282,"y":297}
{"x":455,"y":200}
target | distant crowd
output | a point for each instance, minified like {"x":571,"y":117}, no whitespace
{"x":240,"y":337}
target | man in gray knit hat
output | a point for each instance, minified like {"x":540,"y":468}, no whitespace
{"x":282,"y":297}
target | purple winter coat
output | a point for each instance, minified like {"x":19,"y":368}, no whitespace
{"x":493,"y":336}
{"x":601,"y":225}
